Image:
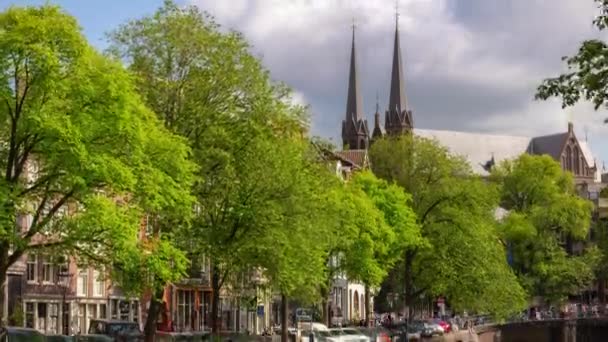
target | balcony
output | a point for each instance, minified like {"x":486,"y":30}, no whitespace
{"x":196,"y":278}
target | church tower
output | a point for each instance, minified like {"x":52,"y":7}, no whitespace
{"x":355,"y":133}
{"x":398,"y":118}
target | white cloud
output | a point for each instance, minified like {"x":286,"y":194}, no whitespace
{"x":471,"y":65}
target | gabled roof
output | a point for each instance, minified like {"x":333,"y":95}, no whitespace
{"x":357,"y":158}
{"x":549,"y":144}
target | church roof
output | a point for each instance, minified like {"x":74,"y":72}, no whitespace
{"x":549,"y":144}
{"x":478,"y":148}
{"x":481,"y":148}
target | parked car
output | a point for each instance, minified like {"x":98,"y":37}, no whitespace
{"x":195,"y":336}
{"x":443,"y":324}
{"x":118,"y":330}
{"x":93,"y":338}
{"x":346,"y":335}
{"x":16,"y":334}
{"x":431,"y":328}
{"x":59,"y":338}
{"x":377,"y":334}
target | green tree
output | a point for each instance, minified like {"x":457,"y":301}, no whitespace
{"x":386,"y":228}
{"x":459,"y":255}
{"x":545,"y":214}
{"x":206,"y":86}
{"x":587,"y":75}
{"x":81,"y":155}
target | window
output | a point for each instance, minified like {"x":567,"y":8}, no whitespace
{"x":53,"y":318}
{"x":41,"y":317}
{"x":185,"y":306}
{"x":103,"y":311}
{"x":48,"y":276}
{"x":82,"y":324}
{"x":568,"y":158}
{"x":149,"y":226}
{"x":32,"y":263}
{"x":577,"y":162}
{"x":29,"y":315}
{"x":114,"y":309}
{"x":135,"y":311}
{"x":63,"y":270}
{"x":82,"y":283}
{"x":98,"y":286}
{"x":91,"y":314}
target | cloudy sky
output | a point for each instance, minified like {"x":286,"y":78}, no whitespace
{"x":470,"y":65}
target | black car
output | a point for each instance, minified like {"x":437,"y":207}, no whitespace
{"x":118,"y":330}
{"x":16,"y":334}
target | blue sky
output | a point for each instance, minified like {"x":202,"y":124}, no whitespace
{"x":97,"y":17}
{"x":470,"y":65}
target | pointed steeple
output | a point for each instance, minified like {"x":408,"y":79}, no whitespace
{"x":354,"y":102}
{"x":378,"y":131}
{"x":397,"y":99}
{"x":355,"y":133}
{"x":398,"y":117}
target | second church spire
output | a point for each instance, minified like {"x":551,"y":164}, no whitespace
{"x":398,"y":117}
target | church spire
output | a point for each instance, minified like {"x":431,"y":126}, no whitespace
{"x":397,"y":100}
{"x":378,"y":131}
{"x":355,"y":133}
{"x":354,"y":102}
{"x":398,"y":117}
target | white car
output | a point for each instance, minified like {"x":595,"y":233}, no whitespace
{"x":346,"y":335}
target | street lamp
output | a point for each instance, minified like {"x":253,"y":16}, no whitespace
{"x":64,"y":278}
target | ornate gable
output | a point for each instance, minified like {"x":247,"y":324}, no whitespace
{"x":572,"y":157}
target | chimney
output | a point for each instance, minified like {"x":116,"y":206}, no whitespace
{"x":570,"y":127}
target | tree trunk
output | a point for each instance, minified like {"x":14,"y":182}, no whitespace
{"x":368,"y":321}
{"x":3,"y":298}
{"x":3,"y":270}
{"x":407,"y":286}
{"x":601,"y":292}
{"x":153,"y":311}
{"x":326,"y":316}
{"x":215,"y":301}
{"x":284,"y":335}
{"x":238,"y":314}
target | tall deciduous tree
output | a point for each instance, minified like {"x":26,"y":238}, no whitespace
{"x":546,"y":216}
{"x":82,"y":157}
{"x":460,"y":256}
{"x":206,"y":86}
{"x":386,"y":228}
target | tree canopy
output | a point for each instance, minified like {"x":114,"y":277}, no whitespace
{"x":244,"y":132}
{"x":546,"y":218}
{"x":459,"y":254}
{"x":587,"y":71}
{"x":83,"y":158}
